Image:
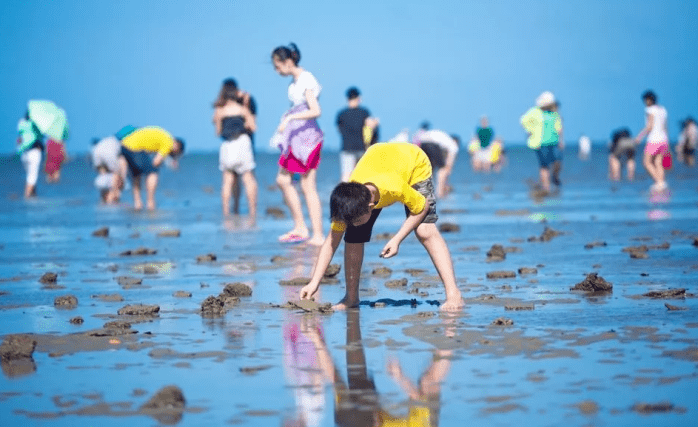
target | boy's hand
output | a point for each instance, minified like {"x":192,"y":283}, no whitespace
{"x":309,"y":290}
{"x":390,"y":249}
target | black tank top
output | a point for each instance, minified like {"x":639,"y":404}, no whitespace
{"x":232,"y":127}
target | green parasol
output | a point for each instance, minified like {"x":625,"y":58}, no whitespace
{"x":49,"y":118}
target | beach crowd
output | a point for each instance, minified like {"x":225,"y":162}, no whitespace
{"x":412,"y":170}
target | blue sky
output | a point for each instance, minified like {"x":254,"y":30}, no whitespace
{"x":158,"y":62}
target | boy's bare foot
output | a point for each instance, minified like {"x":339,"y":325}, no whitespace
{"x":452,"y":304}
{"x":345,"y":304}
{"x":138,"y":206}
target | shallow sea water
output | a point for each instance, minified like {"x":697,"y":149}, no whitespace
{"x":573,"y":359}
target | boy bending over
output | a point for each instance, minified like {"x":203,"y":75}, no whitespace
{"x":386,"y":174}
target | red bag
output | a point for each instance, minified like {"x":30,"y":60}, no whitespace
{"x":666,"y":161}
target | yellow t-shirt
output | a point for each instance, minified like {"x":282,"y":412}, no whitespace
{"x":152,"y":139}
{"x":419,"y":416}
{"x":393,"y":167}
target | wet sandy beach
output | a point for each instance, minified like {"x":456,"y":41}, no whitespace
{"x":109,"y":317}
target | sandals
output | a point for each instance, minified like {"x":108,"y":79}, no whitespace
{"x":292,"y":238}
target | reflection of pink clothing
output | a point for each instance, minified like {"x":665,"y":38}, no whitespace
{"x":55,"y":156}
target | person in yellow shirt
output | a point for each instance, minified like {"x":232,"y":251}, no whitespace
{"x":142,"y":152}
{"x":387,"y":173}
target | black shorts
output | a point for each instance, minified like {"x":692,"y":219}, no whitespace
{"x":434,"y":153}
{"x":139,"y":162}
{"x":362,"y":233}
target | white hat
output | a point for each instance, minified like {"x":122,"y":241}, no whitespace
{"x":545,"y":99}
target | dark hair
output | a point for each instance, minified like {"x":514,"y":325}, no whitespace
{"x":353,"y":93}
{"x":349,"y":200}
{"x":229,"y":91}
{"x":688,"y":120}
{"x":181,"y":146}
{"x":618,"y":134}
{"x":456,"y":138}
{"x":425,"y":125}
{"x":287,"y":52}
{"x":648,"y":94}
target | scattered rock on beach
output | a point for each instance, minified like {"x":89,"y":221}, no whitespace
{"x":66,"y":301}
{"x":332,"y":270}
{"x":594,"y":244}
{"x":170,"y":233}
{"x":77,"y":320}
{"x":519,"y":307}
{"x":17,"y":346}
{"x":527,"y":270}
{"x":251,"y":370}
{"x":381,"y":271}
{"x":101,"y":232}
{"x":651,"y":408}
{"x":182,"y":294}
{"x":637,"y":252}
{"x":167,"y":405}
{"x":296,"y":281}
{"x":213,"y":307}
{"x":274,"y":212}
{"x":667,"y":294}
{"x":237,"y":290}
{"x":108,"y":297}
{"x":449,"y":227}
{"x":496,"y":253}
{"x":396,"y":284}
{"x":674,"y":307}
{"x":312,"y":306}
{"x":139,"y":310}
{"x":49,"y":278}
{"x":593,"y":283}
{"x":127,"y":282}
{"x":549,"y":234}
{"x":206,"y":258}
{"x":139,"y":251}
{"x":695,"y":241}
{"x":502,"y":321}
{"x":501,"y":274}
{"x":278,"y":259}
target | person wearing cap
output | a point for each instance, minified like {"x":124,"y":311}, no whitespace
{"x":137,"y":148}
{"x":352,"y":122}
{"x":544,"y":126}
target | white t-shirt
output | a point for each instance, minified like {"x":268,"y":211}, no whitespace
{"x":440,"y":138}
{"x":296,"y":90}
{"x":659,"y":116}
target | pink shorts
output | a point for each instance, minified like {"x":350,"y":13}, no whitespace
{"x":293,"y":165}
{"x":656,"y":148}
{"x":55,"y":156}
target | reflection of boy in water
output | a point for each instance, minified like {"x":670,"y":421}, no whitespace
{"x":357,"y":401}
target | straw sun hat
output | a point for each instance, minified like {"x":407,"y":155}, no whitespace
{"x":545,"y":99}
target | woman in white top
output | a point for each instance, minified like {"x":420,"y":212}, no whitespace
{"x":657,"y":140}
{"x":300,"y":140}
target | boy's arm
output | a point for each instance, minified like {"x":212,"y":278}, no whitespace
{"x":411,"y":222}
{"x":327,"y":250}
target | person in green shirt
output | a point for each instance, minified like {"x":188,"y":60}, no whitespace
{"x":544,"y":126}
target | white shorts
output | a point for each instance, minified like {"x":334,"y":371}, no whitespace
{"x":106,"y":153}
{"x":348,"y":160}
{"x":236,"y":155}
{"x":31,"y":160}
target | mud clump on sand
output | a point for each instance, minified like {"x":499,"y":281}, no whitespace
{"x":502,"y":321}
{"x":667,"y":294}
{"x":66,"y":301}
{"x":653,"y":408}
{"x":381,"y":271}
{"x":77,"y":320}
{"x":527,"y":270}
{"x":49,"y":278}
{"x":296,"y":281}
{"x":396,"y":284}
{"x":182,"y":294}
{"x":594,"y":244}
{"x":170,"y":233}
{"x":139,"y":310}
{"x":496,"y":253}
{"x":206,"y":258}
{"x":237,"y":290}
{"x":101,"y":232}
{"x":519,"y":307}
{"x":548,"y":235}
{"x":637,"y":252}
{"x":449,"y":227}
{"x":332,"y":270}
{"x":307,"y":306}
{"x":16,"y":355}
{"x":167,"y":405}
{"x":18,"y":346}
{"x":139,"y":251}
{"x":274,"y":212}
{"x":502,"y":274}
{"x":674,"y":307}
{"x":108,"y":297}
{"x":593,"y":283}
